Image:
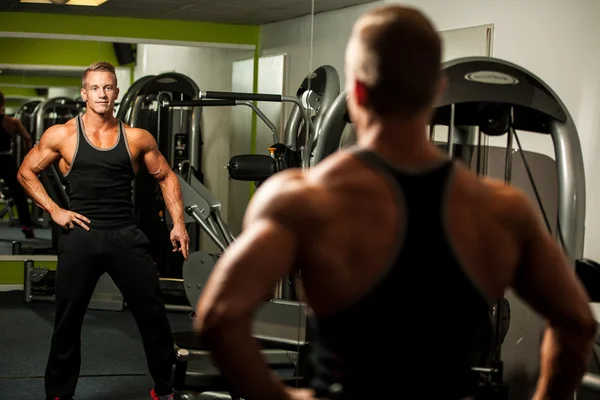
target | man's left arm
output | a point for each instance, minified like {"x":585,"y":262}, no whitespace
{"x":157,"y":166}
{"x":243,"y":277}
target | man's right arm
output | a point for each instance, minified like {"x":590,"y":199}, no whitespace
{"x":37,"y":160}
{"x":547,"y":282}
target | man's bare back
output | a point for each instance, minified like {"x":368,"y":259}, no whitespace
{"x":350,"y":216}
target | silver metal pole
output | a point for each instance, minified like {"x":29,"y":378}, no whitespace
{"x":178,"y":308}
{"x":43,"y":297}
{"x":307,"y":126}
{"x":451,"y":132}
{"x":571,"y":188}
{"x":509,"y":149}
{"x":195,"y":213}
{"x":16,"y":247}
{"x":479,"y":151}
{"x":213,"y":227}
{"x":224,"y":231}
{"x":431,"y":132}
{"x":278,"y":290}
{"x":262,"y":116}
{"x":28,"y":266}
{"x":591,"y":382}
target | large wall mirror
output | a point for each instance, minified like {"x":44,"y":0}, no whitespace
{"x":172,"y":58}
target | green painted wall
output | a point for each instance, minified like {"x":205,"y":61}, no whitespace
{"x":18,"y":91}
{"x":55,"y":52}
{"x":13,"y":104}
{"x":129,"y":27}
{"x":12,"y":272}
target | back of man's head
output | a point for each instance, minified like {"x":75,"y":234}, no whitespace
{"x":395,"y":53}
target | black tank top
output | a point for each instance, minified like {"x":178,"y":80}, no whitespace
{"x":5,"y":137}
{"x":420,"y":327}
{"x":99,"y":182}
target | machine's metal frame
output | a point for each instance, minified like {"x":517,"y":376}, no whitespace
{"x":42,"y":108}
{"x":318,"y":91}
{"x":18,"y":150}
{"x":496,"y":74}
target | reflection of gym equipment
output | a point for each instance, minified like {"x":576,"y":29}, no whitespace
{"x":57,"y":110}
{"x":179,"y":138}
{"x":278,"y":323}
{"x":7,"y":209}
{"x":495,"y":97}
{"x":25,"y":114}
{"x":45,"y":114}
{"x":278,"y":326}
{"x":314,"y":97}
{"x":317,"y":92}
{"x":124,"y":111}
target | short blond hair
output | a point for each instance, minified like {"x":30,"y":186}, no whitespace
{"x":398,"y":59}
{"x":101,"y":66}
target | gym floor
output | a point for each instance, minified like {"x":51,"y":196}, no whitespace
{"x":8,"y":234}
{"x":113,"y":362}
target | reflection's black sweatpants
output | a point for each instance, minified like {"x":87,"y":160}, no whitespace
{"x":82,"y":258}
{"x":8,"y":172}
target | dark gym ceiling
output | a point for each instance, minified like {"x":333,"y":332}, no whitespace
{"x":253,"y":12}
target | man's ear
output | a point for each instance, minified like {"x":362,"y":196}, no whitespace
{"x":360,"y":93}
{"x":83,"y":94}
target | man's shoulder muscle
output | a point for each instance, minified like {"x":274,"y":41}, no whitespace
{"x":139,"y":139}
{"x":507,"y":203}
{"x":286,"y":195}
{"x":56,"y":135}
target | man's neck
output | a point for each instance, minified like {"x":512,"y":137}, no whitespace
{"x":403,"y":144}
{"x":98,"y":122}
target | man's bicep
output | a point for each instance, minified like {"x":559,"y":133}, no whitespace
{"x":153,"y":160}
{"x":546,"y":280}
{"x":247,"y":272}
{"x":282,"y":196}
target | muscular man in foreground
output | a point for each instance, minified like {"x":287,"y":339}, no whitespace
{"x":402,"y":251}
{"x":99,"y":157}
{"x":9,"y":128}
